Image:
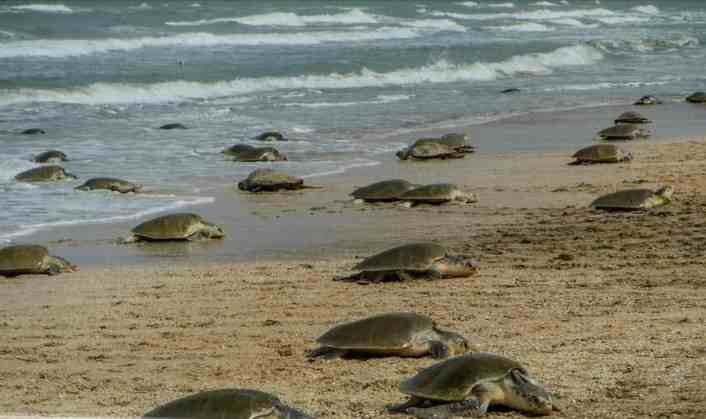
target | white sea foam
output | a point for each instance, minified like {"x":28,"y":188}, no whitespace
{"x":7,"y":34}
{"x":616,"y":20}
{"x":436,"y":24}
{"x":645,"y":44}
{"x":648,"y":9}
{"x":468,"y":3}
{"x":439,"y":72}
{"x":381,"y":99}
{"x":606,"y":85}
{"x":501,"y":5}
{"x":544,"y":4}
{"x":522,"y":27}
{"x":45,"y":8}
{"x":350,"y":17}
{"x":76,"y":47}
{"x":573,"y":22}
{"x":9,"y":167}
{"x":142,"y":6}
{"x":541,"y":14}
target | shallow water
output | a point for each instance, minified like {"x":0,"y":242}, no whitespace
{"x":345,"y":81}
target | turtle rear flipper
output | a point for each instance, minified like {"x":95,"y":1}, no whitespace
{"x":406,"y":406}
{"x":439,"y":350}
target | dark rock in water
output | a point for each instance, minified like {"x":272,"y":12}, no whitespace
{"x":271,"y":136}
{"x":33,"y":131}
{"x":697,"y":97}
{"x":50,"y":156}
{"x":647,"y":100}
{"x":236,"y":149}
{"x":173,"y":126}
{"x":511,"y":90}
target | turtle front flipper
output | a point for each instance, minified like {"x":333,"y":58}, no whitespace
{"x":466,"y":408}
{"x":406,"y":406}
{"x":132,"y":238}
{"x":326,"y":352}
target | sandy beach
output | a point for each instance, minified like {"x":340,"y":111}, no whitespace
{"x":608,"y":310}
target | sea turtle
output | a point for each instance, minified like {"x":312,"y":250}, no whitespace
{"x":178,"y":226}
{"x":227,"y":403}
{"x":270,"y":180}
{"x":51,"y":156}
{"x":111,"y":184}
{"x":510,"y":90}
{"x":173,"y":126}
{"x":601,"y":153}
{"x":255,"y":154}
{"x":395,"y":334}
{"x":236,"y":149}
{"x":647,"y":100}
{"x":634,"y":199}
{"x":409,"y":261}
{"x":623,"y":132}
{"x":384,"y":191}
{"x":697,"y":97}
{"x":44,"y":174}
{"x":459,"y":141}
{"x":271,"y":136}
{"x":468,"y":384}
{"x":31,"y":259}
{"x":33,"y":131}
{"x":436,"y":193}
{"x":631,"y":117}
{"x":429,"y":148}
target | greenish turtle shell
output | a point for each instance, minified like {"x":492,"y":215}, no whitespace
{"x":270,"y":180}
{"x":44,"y":174}
{"x":622,"y":132}
{"x":236,"y":149}
{"x":386,"y":190}
{"x":271,"y":136}
{"x":255,"y":154}
{"x":453,"y":379}
{"x":170,"y":227}
{"x":697,"y":97}
{"x":25,"y":258}
{"x":628,"y":199}
{"x":226,"y":404}
{"x":412,"y":257}
{"x":433,"y":193}
{"x":383,"y":332}
{"x":631,"y":117}
{"x":50,"y":156}
{"x":110,"y":184}
{"x":602,"y":153}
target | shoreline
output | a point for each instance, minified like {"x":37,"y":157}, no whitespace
{"x":283,"y":225}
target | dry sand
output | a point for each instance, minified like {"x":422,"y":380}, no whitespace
{"x":608,"y":310}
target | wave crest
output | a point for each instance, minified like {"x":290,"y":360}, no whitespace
{"x":351,"y":17}
{"x":439,"y":72}
{"x":45,"y":8}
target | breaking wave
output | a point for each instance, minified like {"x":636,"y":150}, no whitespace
{"x":500,"y":5}
{"x":645,"y":45}
{"x":45,"y":8}
{"x":351,"y":17}
{"x":76,"y":47}
{"x":441,"y":71}
{"x":648,"y":9}
{"x":544,"y":4}
{"x":523,"y":27}
{"x":533,"y":15}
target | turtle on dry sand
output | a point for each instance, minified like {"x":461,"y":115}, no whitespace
{"x":175,"y":227}
{"x":601,"y":153}
{"x":31,"y":259}
{"x":437,"y":193}
{"x":390,"y":334}
{"x":227,"y":404}
{"x":634,"y":199}
{"x":410,"y":261}
{"x":383,"y":191}
{"x":466,"y":385}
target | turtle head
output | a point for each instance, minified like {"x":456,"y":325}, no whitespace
{"x":466,"y":197}
{"x":457,"y":344}
{"x":525,"y":394}
{"x":59,"y":265}
{"x":627,"y":156}
{"x":403,"y":154}
{"x":70,"y":175}
{"x":665,"y":192}
{"x":459,"y":266}
{"x":212,"y":231}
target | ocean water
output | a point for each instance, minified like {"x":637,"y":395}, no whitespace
{"x":345,"y":80}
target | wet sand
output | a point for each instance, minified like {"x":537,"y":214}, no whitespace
{"x":608,"y":310}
